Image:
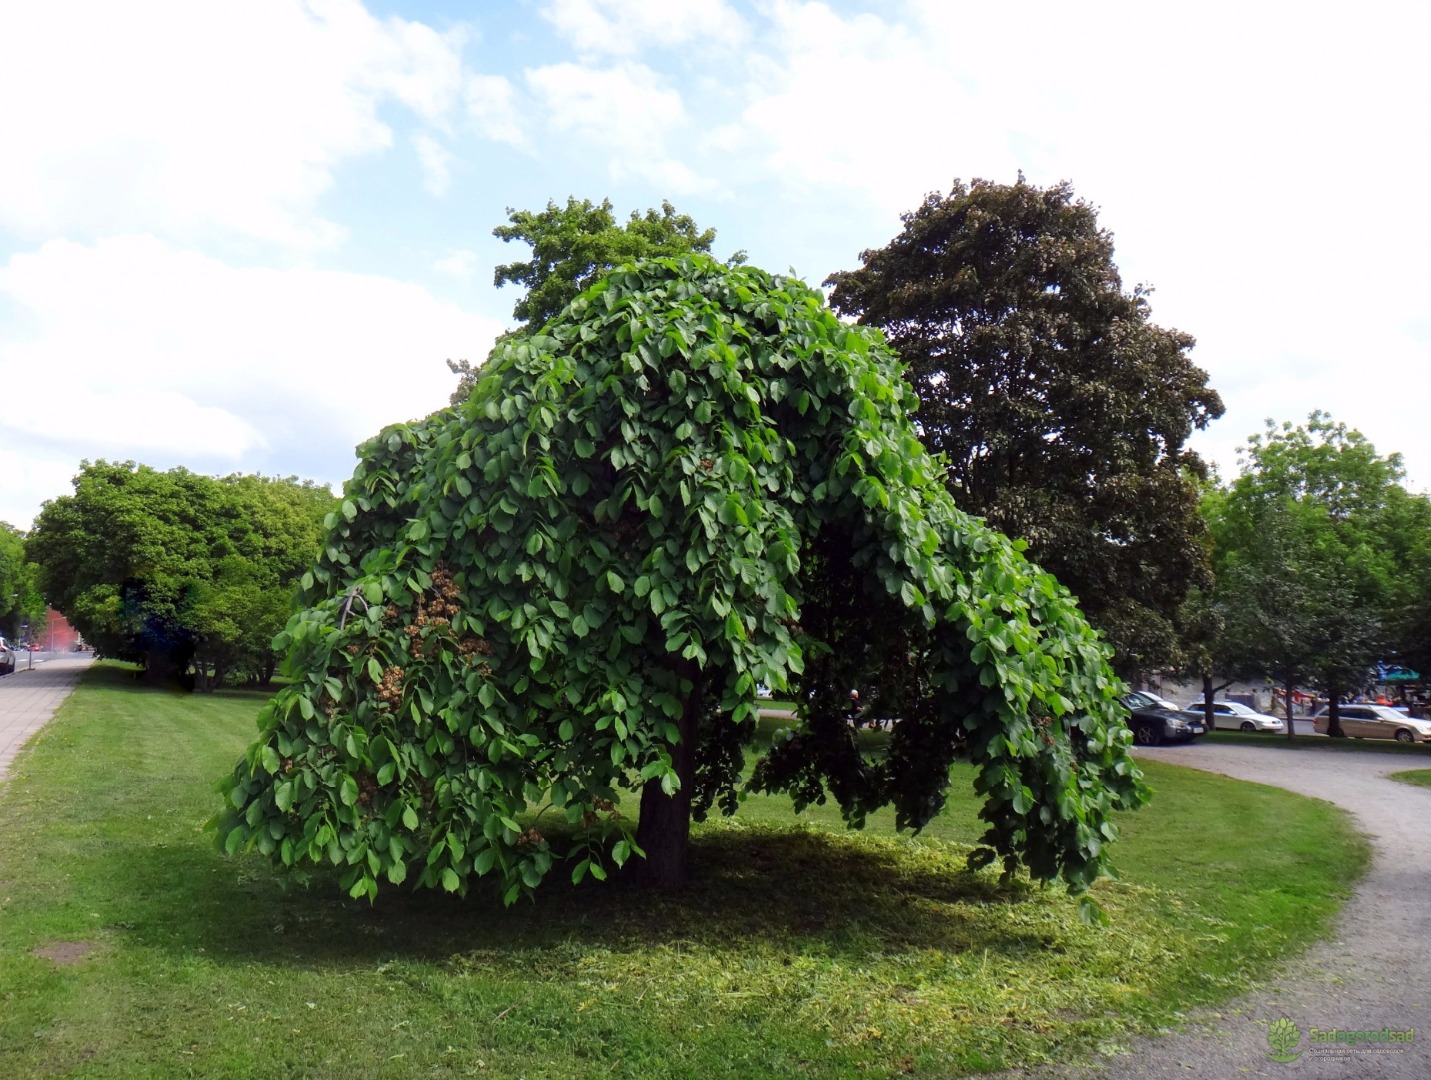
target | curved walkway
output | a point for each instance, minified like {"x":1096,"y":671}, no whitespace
{"x":1374,"y":973}
{"x":30,"y":696}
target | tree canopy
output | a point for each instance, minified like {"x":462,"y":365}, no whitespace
{"x":1063,"y":411}
{"x":178,"y":570}
{"x":20,"y":601}
{"x":695,"y":480}
{"x":1320,"y":549}
{"x":572,"y":246}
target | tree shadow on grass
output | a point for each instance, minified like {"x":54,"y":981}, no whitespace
{"x":797,"y":891}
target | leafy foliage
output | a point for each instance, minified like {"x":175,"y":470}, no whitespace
{"x":20,"y":601}
{"x":1062,"y":409}
{"x":1318,"y":548}
{"x":695,"y":480}
{"x":178,"y":570}
{"x":571,"y":247}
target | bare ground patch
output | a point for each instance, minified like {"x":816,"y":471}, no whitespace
{"x":64,"y":953}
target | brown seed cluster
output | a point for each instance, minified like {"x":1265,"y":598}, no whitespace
{"x":1042,"y":723}
{"x":530,"y":838}
{"x":590,"y":820}
{"x":471,"y":646}
{"x":435,"y":609}
{"x":367,"y":788}
{"x":390,"y":689}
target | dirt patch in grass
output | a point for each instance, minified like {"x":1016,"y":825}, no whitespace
{"x":64,"y":953}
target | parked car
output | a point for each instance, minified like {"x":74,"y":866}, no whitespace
{"x":1160,"y":702}
{"x":7,"y":658}
{"x":1235,"y":716}
{"x":1374,"y":722}
{"x":1153,"y":725}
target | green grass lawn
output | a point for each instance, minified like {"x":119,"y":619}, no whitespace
{"x":130,"y":948}
{"x":1419,"y":777}
{"x":1321,"y":742}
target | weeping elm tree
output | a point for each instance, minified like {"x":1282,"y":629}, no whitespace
{"x":695,"y":479}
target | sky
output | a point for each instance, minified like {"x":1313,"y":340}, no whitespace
{"x":245,"y":237}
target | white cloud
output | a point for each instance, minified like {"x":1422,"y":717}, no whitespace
{"x":183,"y":119}
{"x":627,"y":27}
{"x":895,"y":119}
{"x":436,"y":161}
{"x":625,"y":111}
{"x":168,"y":352}
{"x":491,"y":105}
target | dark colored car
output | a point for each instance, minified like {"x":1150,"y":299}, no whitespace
{"x":1154,"y":724}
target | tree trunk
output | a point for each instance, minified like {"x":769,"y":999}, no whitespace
{"x":1207,"y":713}
{"x":1287,"y":704}
{"x":1334,"y":715}
{"x":664,"y":831}
{"x":161,"y":668}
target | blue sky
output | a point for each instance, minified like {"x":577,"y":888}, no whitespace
{"x":243,"y":237}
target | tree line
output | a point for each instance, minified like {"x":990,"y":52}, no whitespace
{"x":1321,"y":565}
{"x":190,"y":576}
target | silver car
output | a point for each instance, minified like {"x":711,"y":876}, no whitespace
{"x":7,"y":658}
{"x":1235,"y":716}
{"x":1374,"y":722}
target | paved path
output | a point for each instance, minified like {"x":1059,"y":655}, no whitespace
{"x":1374,"y":973}
{"x":30,"y":697}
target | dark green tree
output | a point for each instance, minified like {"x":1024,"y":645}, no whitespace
{"x":571,"y":247}
{"x":696,"y":479}
{"x":183,"y":573}
{"x":1062,"y":410}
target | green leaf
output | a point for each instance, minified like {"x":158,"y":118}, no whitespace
{"x":235,"y":840}
{"x":348,"y":791}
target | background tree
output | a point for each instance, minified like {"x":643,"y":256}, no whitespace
{"x":20,"y":601}
{"x":1322,"y":545}
{"x":1062,"y":410}
{"x":571,"y":247}
{"x":695,"y":480}
{"x":1264,"y":576}
{"x":175,"y":570}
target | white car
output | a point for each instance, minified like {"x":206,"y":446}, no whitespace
{"x":7,"y":658}
{"x":1375,"y":722}
{"x":1235,"y":716}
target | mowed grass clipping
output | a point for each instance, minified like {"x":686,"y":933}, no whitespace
{"x":130,"y":948}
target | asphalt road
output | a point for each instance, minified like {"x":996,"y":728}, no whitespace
{"x":1374,"y":973}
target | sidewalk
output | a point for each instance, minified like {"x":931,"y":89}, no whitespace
{"x":29,"y":698}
